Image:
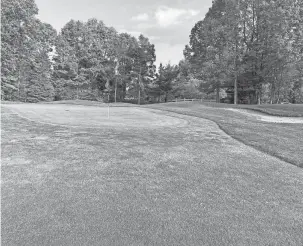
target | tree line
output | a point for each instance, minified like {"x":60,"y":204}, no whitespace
{"x":82,"y":62}
{"x":85,"y":60}
{"x":259,"y":41}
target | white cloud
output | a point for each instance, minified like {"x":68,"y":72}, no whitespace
{"x":137,"y":34}
{"x":168,"y":53}
{"x":194,"y":12}
{"x":133,"y":33}
{"x":166,"y":16}
{"x":144,"y":25}
{"x":152,"y":38}
{"x":140,"y":17}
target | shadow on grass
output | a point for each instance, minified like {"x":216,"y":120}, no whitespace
{"x":284,"y":141}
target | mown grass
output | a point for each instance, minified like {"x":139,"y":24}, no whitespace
{"x":284,"y":141}
{"x":90,"y":103}
{"x":177,"y":185}
{"x":284,"y":110}
{"x":287,"y":110}
{"x":80,"y":102}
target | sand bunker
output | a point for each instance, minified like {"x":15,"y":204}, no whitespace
{"x":269,"y":118}
{"x":82,"y":116}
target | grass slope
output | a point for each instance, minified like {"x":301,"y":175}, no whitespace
{"x":284,"y":141}
{"x":287,"y":110}
{"x":184,"y":184}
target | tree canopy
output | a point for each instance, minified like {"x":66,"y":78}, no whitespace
{"x":256,"y":44}
{"x":259,"y":41}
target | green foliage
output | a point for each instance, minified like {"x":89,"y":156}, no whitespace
{"x":90,"y":55}
{"x":26,"y":42}
{"x":261,"y":39}
{"x":165,"y":80}
{"x":78,"y":63}
{"x":142,"y":54}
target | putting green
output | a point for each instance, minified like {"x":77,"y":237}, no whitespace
{"x":157,"y":185}
{"x":82,"y":116}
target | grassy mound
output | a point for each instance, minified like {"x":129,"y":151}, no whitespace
{"x":284,"y":110}
{"x":284,"y":141}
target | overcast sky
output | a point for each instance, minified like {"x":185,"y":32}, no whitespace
{"x":167,"y":23}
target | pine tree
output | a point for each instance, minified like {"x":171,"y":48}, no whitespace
{"x":24,"y":39}
{"x":143,"y":57}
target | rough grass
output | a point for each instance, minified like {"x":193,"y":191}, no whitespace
{"x":288,"y":110}
{"x":284,"y":141}
{"x":177,"y":184}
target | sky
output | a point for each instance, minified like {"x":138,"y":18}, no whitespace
{"x":167,"y":23}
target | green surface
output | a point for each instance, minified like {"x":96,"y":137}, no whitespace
{"x":284,"y":141}
{"x":288,"y":110}
{"x":181,"y":182}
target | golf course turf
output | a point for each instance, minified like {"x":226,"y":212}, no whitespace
{"x":71,"y":175}
{"x":284,"y":141}
{"x":286,"y":110}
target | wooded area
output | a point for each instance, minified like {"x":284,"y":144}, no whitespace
{"x":259,"y":41}
{"x":249,"y":48}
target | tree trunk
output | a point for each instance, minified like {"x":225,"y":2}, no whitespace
{"x":115,"y":90}
{"x":139,"y":83}
{"x":25,"y":92}
{"x":259,"y":98}
{"x":116,"y":74}
{"x":236,"y":90}
{"x":272,"y":93}
{"x":123,"y":91}
{"x":20,"y":61}
{"x":20,"y":81}
{"x":99,"y":94}
{"x":236,"y":78}
{"x":218,"y":94}
{"x":19,"y":85}
{"x":235,"y":63}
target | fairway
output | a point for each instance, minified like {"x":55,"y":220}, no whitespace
{"x":73,"y":176}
